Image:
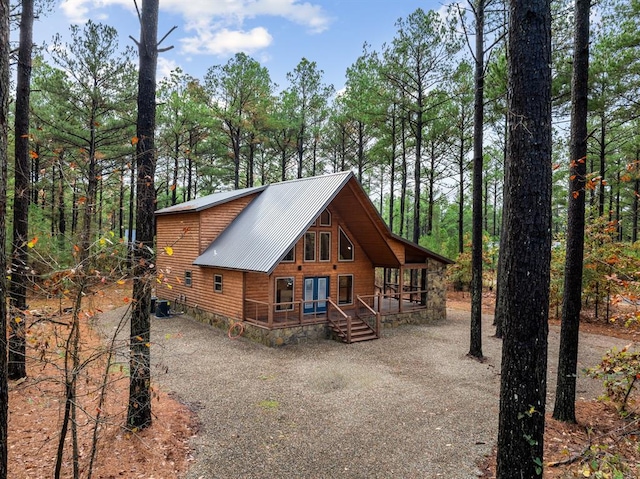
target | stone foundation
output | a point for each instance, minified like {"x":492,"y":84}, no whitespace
{"x":305,"y":333}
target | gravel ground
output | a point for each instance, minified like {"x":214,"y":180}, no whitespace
{"x":410,"y":405}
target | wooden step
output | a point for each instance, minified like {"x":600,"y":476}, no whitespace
{"x":360,"y":331}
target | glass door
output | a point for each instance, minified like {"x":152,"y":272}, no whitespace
{"x":316,"y":290}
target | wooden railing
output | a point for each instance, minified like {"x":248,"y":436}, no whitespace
{"x":392,"y":303}
{"x":370,"y":313}
{"x":282,"y":315}
{"x":336,"y":324}
{"x":287,"y":314}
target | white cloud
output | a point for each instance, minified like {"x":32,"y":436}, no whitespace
{"x":75,"y":10}
{"x":227,"y":42}
{"x":79,"y":11}
{"x":165,"y":67}
{"x":217,"y":26}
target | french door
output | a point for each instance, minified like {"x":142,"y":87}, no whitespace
{"x":316,"y":290}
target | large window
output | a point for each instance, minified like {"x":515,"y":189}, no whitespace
{"x":310,"y":246}
{"x":345,"y":247}
{"x":345,"y":289}
{"x":325,"y":246}
{"x":217,"y":283}
{"x":284,"y":294}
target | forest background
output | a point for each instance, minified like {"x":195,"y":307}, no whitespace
{"x":403,"y":123}
{"x":234,"y":128}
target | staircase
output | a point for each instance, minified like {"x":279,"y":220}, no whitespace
{"x":360,"y":330}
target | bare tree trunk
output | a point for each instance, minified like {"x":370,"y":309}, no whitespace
{"x":603,"y":165}
{"x":636,"y":208}
{"x":565,"y":402}
{"x":475,"y":348}
{"x":20,"y":255}
{"x":403,"y":181}
{"x":62,"y":219}
{"x":139,"y":411}
{"x":461,"y":195}
{"x":392,"y":174}
{"x":498,"y":318}
{"x":527,"y":253}
{"x":176,"y":168}
{"x":4,"y":128}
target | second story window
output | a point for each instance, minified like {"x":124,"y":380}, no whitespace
{"x":310,"y":246}
{"x":345,"y":247}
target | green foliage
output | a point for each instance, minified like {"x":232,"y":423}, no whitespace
{"x":601,"y":463}
{"x":619,"y":370}
{"x":611,"y":267}
{"x":459,"y":273}
{"x":556,"y":286}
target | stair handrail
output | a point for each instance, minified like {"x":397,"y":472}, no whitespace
{"x":344,"y":315}
{"x":373,"y":313}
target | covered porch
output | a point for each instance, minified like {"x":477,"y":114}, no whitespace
{"x":408,"y":293}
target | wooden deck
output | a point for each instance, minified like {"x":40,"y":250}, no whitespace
{"x":258,"y":312}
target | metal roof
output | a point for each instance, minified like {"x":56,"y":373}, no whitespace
{"x":263,"y":233}
{"x":208,"y":201}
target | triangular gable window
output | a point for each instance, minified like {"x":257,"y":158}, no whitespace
{"x":345,"y":247}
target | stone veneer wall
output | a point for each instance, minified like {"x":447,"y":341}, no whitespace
{"x":268,"y":337}
{"x":436,"y":310}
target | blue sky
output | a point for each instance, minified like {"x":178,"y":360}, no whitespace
{"x":277,"y":33}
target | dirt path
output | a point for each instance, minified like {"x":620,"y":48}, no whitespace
{"x":409,"y":405}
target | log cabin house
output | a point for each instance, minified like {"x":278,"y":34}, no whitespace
{"x":293,"y":261}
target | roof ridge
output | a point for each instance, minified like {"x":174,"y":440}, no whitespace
{"x":306,"y":178}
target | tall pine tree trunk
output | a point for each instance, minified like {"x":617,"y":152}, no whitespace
{"x":139,"y":411}
{"x":527,"y":243}
{"x":4,"y":128}
{"x":20,"y":255}
{"x":475,"y":347}
{"x":565,"y":403}
{"x":392,"y":174}
{"x":636,"y":208}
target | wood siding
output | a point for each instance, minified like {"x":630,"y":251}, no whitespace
{"x":257,"y":287}
{"x":229,"y":301}
{"x":398,"y":249}
{"x":181,"y":233}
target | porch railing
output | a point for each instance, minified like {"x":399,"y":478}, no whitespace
{"x":285,"y":314}
{"x":392,"y":303}
{"x":369,"y":313}
{"x":336,"y":324}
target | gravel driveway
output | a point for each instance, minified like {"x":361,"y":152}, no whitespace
{"x":410,"y":405}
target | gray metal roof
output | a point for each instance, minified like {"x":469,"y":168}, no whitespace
{"x":272,"y":223}
{"x":208,"y":201}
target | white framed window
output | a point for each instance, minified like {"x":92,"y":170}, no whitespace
{"x":345,"y":289}
{"x":345,"y":247}
{"x":290,"y":257}
{"x":217,"y":283}
{"x":325,"y":246}
{"x":284,"y":293}
{"x":310,"y":246}
{"x":325,"y":218}
{"x":188,"y":280}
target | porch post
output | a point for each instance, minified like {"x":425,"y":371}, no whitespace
{"x":401,"y":288}
{"x":384,"y":280}
{"x":423,"y":287}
